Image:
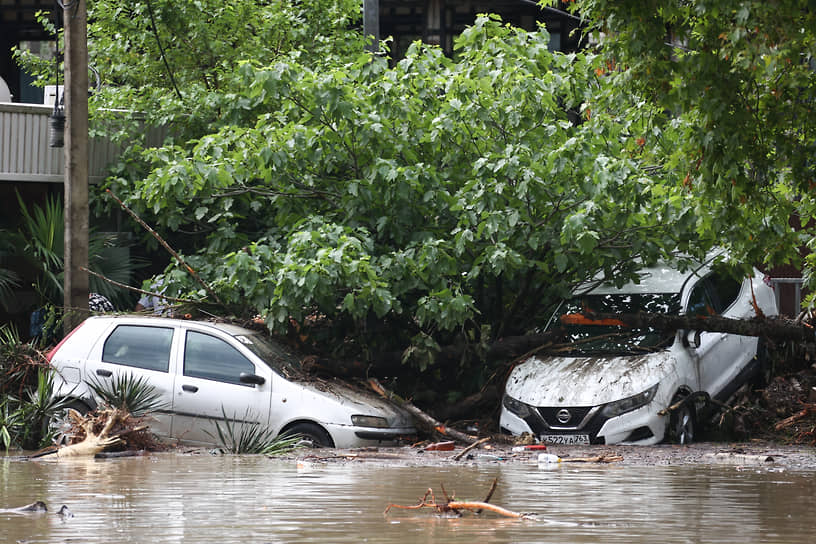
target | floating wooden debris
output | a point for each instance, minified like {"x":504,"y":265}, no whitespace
{"x":450,"y":506}
{"x":93,"y":443}
{"x":117,"y":429}
{"x":603,"y":458}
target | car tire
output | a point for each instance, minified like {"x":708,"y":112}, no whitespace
{"x":682,"y":423}
{"x":59,"y":424}
{"x":312,"y":435}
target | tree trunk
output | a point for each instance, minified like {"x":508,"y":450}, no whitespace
{"x":776,"y":329}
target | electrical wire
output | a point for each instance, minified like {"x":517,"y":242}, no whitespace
{"x":161,"y":49}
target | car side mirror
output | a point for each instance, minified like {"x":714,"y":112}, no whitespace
{"x":690,"y":339}
{"x":251,"y":379}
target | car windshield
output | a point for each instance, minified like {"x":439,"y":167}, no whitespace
{"x":272,"y":354}
{"x":577,"y":333}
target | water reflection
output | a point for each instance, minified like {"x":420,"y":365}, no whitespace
{"x":197,"y":498}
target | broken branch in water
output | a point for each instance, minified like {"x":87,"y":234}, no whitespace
{"x":421,"y":416}
{"x":452,"y":506}
{"x":472,"y":446}
{"x":603,"y":458}
{"x":93,"y":443}
{"x":116,"y":427}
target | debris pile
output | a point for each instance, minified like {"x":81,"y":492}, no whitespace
{"x":108,"y":429}
{"x":783,"y":411}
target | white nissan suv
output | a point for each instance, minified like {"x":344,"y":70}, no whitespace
{"x":607,"y":383}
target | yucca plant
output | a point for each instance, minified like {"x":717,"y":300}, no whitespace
{"x":37,"y":410}
{"x":9,"y":279}
{"x":127,"y":392}
{"x":26,"y":386}
{"x":236,"y":436}
{"x":9,"y":423}
{"x":41,"y":241}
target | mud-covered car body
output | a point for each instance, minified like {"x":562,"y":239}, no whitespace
{"x":612,"y":384}
{"x":205,"y":371}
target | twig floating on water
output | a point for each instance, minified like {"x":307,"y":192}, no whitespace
{"x":450,"y":505}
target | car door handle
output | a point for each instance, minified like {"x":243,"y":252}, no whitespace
{"x":104,"y":373}
{"x":190,"y":388}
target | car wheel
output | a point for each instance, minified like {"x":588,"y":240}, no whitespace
{"x":60,"y":426}
{"x":311,"y":435}
{"x":682,"y":424}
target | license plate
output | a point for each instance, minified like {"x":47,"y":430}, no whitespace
{"x":566,"y":439}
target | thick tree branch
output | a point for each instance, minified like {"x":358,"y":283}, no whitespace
{"x":778,"y":329}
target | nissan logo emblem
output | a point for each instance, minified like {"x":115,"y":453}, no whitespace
{"x":563,"y":415}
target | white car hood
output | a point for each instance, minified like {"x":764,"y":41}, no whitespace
{"x":587,"y":381}
{"x":359,"y":401}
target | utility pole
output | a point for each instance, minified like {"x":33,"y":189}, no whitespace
{"x":371,"y":23}
{"x":76,"y":162}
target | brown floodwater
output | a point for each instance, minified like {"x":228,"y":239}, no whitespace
{"x":241,"y":499}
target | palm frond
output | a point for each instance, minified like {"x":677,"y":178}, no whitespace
{"x":44,"y":229}
{"x":130,"y":393}
{"x":41,"y":238}
{"x":9,"y":281}
{"x":9,"y":423}
{"x":237,"y":436}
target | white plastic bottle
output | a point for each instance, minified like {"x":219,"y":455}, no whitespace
{"x":548,"y":459}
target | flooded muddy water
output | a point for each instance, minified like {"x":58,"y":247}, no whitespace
{"x":240,"y":499}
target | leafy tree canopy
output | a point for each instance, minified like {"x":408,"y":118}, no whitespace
{"x":419,"y":202}
{"x":737,"y":81}
{"x":446,"y":198}
{"x":175,"y":61}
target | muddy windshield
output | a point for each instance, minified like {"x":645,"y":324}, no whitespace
{"x":272,"y":354}
{"x":577,"y":333}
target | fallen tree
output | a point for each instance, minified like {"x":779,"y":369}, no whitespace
{"x":423,"y":418}
{"x":507,"y":351}
{"x":779,"y":329}
{"x":391,"y":363}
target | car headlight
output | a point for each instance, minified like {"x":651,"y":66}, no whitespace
{"x":517,"y":407}
{"x":629,"y":403}
{"x":370,"y":421}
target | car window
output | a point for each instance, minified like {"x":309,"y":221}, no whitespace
{"x":139,"y":346}
{"x":578,"y":333}
{"x":700,"y":302}
{"x":724,"y":289}
{"x":714,"y":294}
{"x":211,"y":358}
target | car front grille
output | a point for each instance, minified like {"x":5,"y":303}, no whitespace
{"x":551,"y":416}
{"x":582,"y":420}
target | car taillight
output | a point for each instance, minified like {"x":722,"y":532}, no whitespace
{"x":768,"y":281}
{"x":61,"y":342}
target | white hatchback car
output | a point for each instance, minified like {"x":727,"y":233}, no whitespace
{"x":205,"y":370}
{"x":609,"y":384}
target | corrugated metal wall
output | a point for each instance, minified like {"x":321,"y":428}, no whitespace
{"x":24,"y":151}
{"x":26,"y":156}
